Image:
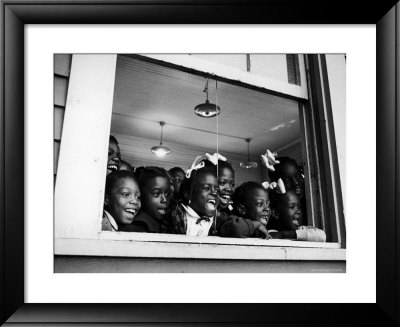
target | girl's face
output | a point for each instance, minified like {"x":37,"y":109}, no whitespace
{"x":257,"y":206}
{"x":289,"y":170}
{"x":291,"y":178}
{"x":114,"y":157}
{"x":123,"y":201}
{"x":289,"y":211}
{"x":226,"y":184}
{"x":123,"y":165}
{"x":177,"y":179}
{"x":204,"y":198}
{"x":156,"y":197}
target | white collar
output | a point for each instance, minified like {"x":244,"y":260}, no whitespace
{"x":111,"y":219}
{"x":193,"y":214}
{"x":190,"y":212}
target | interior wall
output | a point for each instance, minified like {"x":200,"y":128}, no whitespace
{"x":136,"y":151}
{"x":293,"y":151}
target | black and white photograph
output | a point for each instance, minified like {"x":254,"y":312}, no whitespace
{"x":199,"y":162}
{"x":191,"y":163}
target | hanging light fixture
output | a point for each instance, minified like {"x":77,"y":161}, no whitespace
{"x":207,"y":109}
{"x":160,"y":150}
{"x":248,"y":164}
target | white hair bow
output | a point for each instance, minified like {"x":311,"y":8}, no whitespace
{"x":194,"y":167}
{"x":212,"y":158}
{"x":269,"y":160}
{"x":279,"y":186}
{"x":215,"y":157}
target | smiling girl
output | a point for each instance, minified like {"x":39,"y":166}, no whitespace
{"x":226,"y":183}
{"x":114,"y":155}
{"x":288,"y":219}
{"x":121,"y":201}
{"x":156,"y":195}
{"x":194,"y":214}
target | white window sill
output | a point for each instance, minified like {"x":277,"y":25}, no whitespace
{"x":120,"y":244}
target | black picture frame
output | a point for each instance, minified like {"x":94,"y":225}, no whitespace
{"x":15,"y":14}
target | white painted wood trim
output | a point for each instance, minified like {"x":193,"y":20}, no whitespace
{"x":235,"y":74}
{"x":79,"y":190}
{"x":303,"y":76}
{"x":330,"y":150}
{"x":153,"y":249}
{"x":173,"y":238}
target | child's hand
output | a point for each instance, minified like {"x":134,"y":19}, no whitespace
{"x":262,"y":231}
{"x":267,"y":236}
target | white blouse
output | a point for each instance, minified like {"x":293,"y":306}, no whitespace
{"x":196,"y":227}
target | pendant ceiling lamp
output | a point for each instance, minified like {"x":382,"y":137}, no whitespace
{"x":207,"y":109}
{"x":248,"y":164}
{"x":160,"y":150}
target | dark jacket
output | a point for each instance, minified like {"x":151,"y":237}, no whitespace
{"x":144,"y":223}
{"x":238,"y":227}
{"x":179,"y":223}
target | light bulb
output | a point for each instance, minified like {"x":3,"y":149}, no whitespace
{"x":160,"y":150}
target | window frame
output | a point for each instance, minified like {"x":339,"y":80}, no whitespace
{"x":152,"y":245}
{"x":310,"y":103}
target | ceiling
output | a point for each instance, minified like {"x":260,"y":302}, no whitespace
{"x":147,"y":93}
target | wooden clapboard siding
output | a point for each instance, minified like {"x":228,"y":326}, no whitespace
{"x":58,"y":122}
{"x":62,"y":69}
{"x":56,"y":154}
{"x":60,"y":90}
{"x":62,"y":64}
{"x":136,"y":151}
{"x":58,"y":125}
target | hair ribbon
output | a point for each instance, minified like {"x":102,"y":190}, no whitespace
{"x":215,"y":157}
{"x":269,"y":160}
{"x":194,"y":167}
{"x":279,"y":186}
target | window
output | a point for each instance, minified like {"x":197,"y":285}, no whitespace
{"x":293,"y":69}
{"x":129,"y":95}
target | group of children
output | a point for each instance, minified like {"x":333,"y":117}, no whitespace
{"x":203,"y":200}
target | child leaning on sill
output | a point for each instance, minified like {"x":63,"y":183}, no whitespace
{"x":251,"y":205}
{"x":195,"y":211}
{"x":121,"y":200}
{"x":287,"y":219}
{"x":154,"y":184}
